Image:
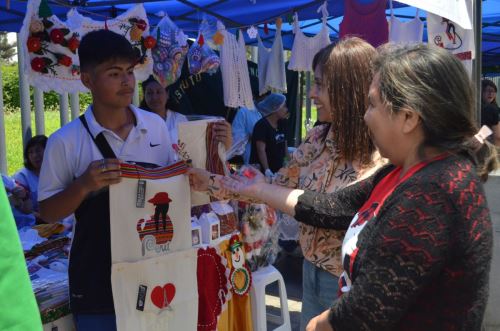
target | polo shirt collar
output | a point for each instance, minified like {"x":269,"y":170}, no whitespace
{"x":96,"y":128}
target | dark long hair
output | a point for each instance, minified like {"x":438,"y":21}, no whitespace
{"x":347,"y":73}
{"x":39,"y":140}
{"x":144,"y":84}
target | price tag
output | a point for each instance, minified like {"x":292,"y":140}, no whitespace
{"x":141,"y":193}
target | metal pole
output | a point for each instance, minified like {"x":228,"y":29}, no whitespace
{"x":298,"y":114}
{"x":24,"y":92}
{"x":3,"y":145}
{"x":63,"y":108}
{"x":74,"y":100}
{"x":135,"y":99}
{"x":39,"y":108}
{"x":308,"y":100}
{"x":478,"y":61}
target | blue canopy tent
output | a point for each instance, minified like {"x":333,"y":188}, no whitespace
{"x":187,"y":14}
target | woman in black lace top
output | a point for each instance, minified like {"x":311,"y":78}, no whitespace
{"x":417,"y":253}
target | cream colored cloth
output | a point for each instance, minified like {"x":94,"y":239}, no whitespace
{"x":133,"y":230}
{"x":193,"y":146}
{"x":171,"y":297}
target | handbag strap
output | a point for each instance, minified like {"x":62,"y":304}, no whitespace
{"x":100,"y":141}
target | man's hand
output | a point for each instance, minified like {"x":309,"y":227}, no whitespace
{"x":99,"y":174}
{"x":222,"y":133}
{"x":320,"y":323}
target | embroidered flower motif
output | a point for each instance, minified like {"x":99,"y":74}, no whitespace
{"x":141,"y":24}
{"x":73,"y":43}
{"x":252,"y":32}
{"x":64,"y":60}
{"x":38,"y":64}
{"x":57,"y":36}
{"x":135,"y":33}
{"x":42,"y":36}
{"x":36,"y":26}
{"x":135,"y":29}
{"x":34,"y":44}
{"x":149,"y":42}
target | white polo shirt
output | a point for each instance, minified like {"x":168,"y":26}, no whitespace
{"x":70,"y":149}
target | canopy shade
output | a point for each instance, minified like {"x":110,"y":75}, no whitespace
{"x":187,"y":14}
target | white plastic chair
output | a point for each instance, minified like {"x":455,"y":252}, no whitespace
{"x":260,"y":279}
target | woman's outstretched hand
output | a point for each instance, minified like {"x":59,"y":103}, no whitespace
{"x":247,"y":183}
{"x":198,"y":179}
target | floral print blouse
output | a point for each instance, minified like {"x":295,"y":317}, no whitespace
{"x":316,"y":166}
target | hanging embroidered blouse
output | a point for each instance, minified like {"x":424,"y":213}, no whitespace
{"x":51,"y":45}
{"x":234,"y":68}
{"x":365,"y":20}
{"x":405,"y":32}
{"x":272,"y":75}
{"x":304,"y":48}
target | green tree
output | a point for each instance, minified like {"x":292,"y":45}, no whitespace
{"x":7,"y":50}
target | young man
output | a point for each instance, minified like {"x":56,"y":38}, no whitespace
{"x":82,"y":159}
{"x":269,"y":146}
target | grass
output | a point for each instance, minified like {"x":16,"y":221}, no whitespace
{"x":13,"y":136}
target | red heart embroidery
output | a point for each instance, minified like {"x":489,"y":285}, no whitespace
{"x":163,"y":296}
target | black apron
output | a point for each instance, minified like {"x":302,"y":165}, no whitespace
{"x":90,"y":257}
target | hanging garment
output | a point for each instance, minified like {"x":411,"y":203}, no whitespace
{"x":203,"y":153}
{"x":304,"y":48}
{"x":272,"y":75}
{"x":405,"y":32}
{"x":234,"y":68}
{"x":159,"y":293}
{"x":451,"y":36}
{"x":149,"y":212}
{"x":238,"y":315}
{"x":169,"y":52}
{"x":454,"y":10}
{"x":50,"y":45}
{"x":366,"y":21}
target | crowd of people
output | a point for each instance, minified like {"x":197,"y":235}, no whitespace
{"x":388,"y":187}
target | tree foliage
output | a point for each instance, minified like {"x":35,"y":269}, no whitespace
{"x":7,"y":50}
{"x":12,"y":100}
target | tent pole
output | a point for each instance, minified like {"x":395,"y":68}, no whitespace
{"x":39,"y":108}
{"x":298,"y":116}
{"x":24,"y":92}
{"x":308,"y":101}
{"x":3,"y":148}
{"x":477,"y":64}
{"x":63,"y":108}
